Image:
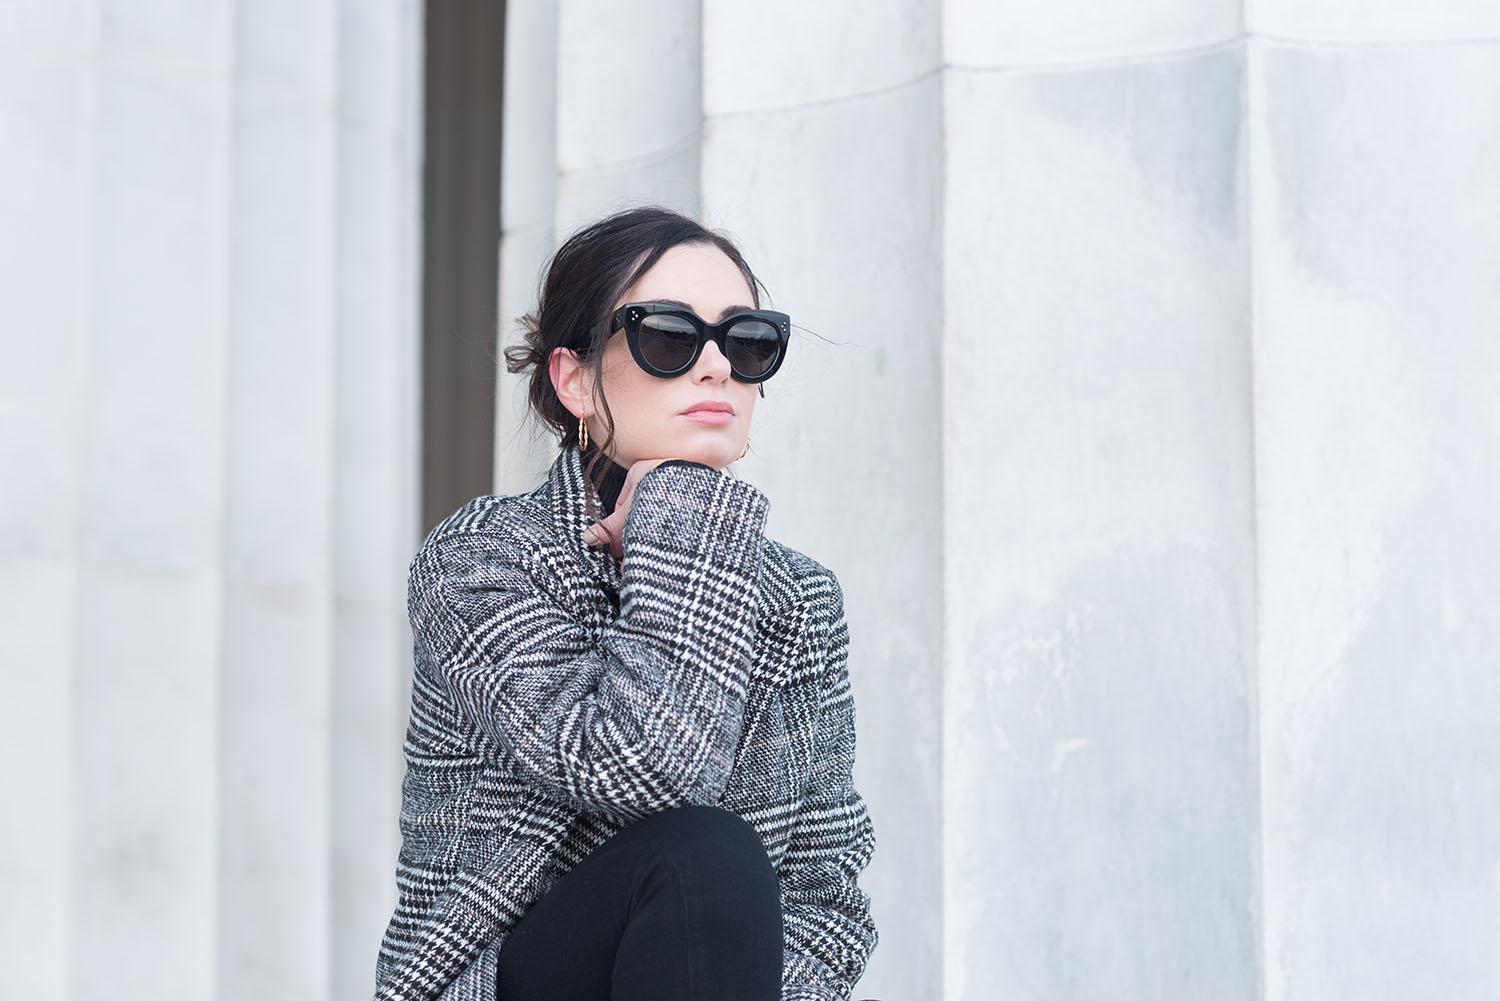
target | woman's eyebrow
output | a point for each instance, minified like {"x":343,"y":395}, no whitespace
{"x":726,"y":311}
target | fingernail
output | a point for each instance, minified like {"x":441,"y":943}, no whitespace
{"x":591,"y":535}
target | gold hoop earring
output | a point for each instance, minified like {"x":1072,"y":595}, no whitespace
{"x":747,"y":449}
{"x":583,"y":434}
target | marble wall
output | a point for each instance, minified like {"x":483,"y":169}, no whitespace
{"x":208,"y":409}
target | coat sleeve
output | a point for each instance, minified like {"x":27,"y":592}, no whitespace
{"x":647,"y":718}
{"x":827,"y":928}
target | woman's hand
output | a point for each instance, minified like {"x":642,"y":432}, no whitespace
{"x":610,"y":530}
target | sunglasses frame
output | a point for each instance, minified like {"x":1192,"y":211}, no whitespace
{"x":630,"y":315}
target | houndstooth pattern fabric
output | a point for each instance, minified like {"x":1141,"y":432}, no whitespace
{"x":558,"y":694}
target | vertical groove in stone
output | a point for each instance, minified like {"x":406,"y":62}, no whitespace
{"x":277,"y":653}
{"x":1252,"y":121}
{"x":528,"y":201}
{"x":373,"y":516}
{"x":150,"y":452}
{"x":44,"y":314}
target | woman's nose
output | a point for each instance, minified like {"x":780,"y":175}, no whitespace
{"x":711,"y":365}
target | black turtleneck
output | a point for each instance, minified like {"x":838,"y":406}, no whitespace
{"x":608,"y":478}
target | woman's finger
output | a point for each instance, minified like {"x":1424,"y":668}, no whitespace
{"x":605,"y":530}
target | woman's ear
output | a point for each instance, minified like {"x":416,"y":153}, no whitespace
{"x":571,"y":380}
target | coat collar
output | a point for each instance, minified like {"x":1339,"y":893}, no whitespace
{"x":568,"y":494}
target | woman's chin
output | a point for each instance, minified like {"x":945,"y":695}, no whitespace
{"x":710,"y":454}
{"x":711,"y":457}
{"x":715,"y":450}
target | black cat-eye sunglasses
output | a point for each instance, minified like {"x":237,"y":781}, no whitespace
{"x":666,"y":339}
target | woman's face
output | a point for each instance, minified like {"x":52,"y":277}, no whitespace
{"x":703,"y":414}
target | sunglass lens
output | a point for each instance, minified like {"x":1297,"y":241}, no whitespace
{"x":753,"y":347}
{"x":667,"y":341}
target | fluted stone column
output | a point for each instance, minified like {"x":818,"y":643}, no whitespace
{"x":209,"y":394}
{"x":1376,"y":145}
{"x":1101,"y":822}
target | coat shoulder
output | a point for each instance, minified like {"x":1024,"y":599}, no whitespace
{"x":511,"y":514}
{"x":488,"y":536}
{"x":791,"y":579}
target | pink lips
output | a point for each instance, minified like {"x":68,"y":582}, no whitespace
{"x":710,"y":412}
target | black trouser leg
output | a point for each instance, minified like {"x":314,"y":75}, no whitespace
{"x":680,"y":906}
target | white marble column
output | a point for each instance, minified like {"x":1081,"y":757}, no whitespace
{"x":147,"y":548}
{"x":1099,"y":761}
{"x":276,"y":636}
{"x":1376,"y":148}
{"x":209,"y":413}
{"x":376,"y":434}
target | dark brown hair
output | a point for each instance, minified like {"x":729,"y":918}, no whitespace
{"x":575,"y":310}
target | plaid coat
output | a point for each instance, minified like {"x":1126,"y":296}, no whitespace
{"x":557,"y":695}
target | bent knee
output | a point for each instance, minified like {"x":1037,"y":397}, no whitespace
{"x":705,"y":840}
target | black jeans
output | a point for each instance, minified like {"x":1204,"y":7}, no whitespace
{"x":680,"y":906}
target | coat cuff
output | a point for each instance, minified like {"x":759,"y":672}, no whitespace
{"x":685,"y":506}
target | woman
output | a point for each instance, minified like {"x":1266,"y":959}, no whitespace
{"x":631,"y":735}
